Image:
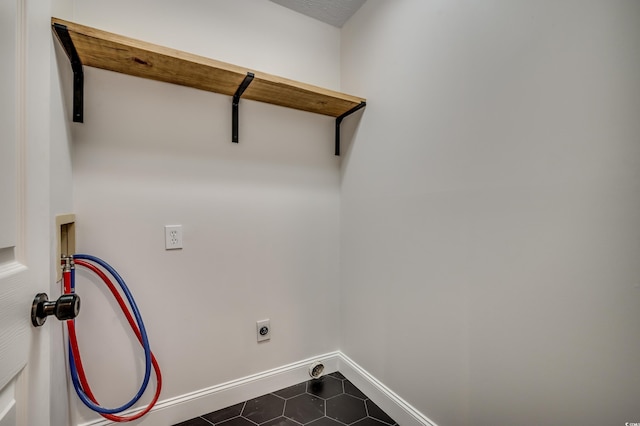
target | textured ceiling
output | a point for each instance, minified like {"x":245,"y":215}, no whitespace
{"x":334,"y":12}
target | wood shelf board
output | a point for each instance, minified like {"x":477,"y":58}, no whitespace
{"x":113,"y":52}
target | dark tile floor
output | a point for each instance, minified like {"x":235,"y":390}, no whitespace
{"x":331,"y":400}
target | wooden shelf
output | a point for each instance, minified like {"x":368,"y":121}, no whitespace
{"x":101,"y":49}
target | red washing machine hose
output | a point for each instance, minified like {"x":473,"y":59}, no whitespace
{"x":75,"y":352}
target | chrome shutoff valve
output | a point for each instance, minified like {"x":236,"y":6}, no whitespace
{"x":65,"y":308}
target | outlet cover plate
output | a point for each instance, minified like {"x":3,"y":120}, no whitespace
{"x":263,"y":330}
{"x":173,"y":237}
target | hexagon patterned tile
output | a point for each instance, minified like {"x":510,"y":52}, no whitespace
{"x":331,"y":400}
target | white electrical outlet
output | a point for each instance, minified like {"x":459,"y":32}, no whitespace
{"x":263,"y":330}
{"x":173,"y":237}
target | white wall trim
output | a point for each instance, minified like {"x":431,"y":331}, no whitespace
{"x":390,"y":402}
{"x":174,"y":410}
{"x":189,"y":405}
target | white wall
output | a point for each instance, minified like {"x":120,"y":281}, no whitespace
{"x":260,"y":218}
{"x":491,"y":208}
{"x":61,"y":201}
{"x":488,"y":215}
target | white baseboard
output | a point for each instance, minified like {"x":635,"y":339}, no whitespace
{"x":175,"y":410}
{"x":397,"y":408}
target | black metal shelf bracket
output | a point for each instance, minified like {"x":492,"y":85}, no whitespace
{"x":234,"y":107}
{"x":76,"y":66}
{"x":339,"y":121}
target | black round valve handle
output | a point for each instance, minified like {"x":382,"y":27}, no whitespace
{"x":65,"y":308}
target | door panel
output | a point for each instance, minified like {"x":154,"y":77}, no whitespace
{"x":22,"y":160}
{"x":14,"y":321}
{"x":8,"y":405}
{"x":14,"y":330}
{"x":8,"y":92}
